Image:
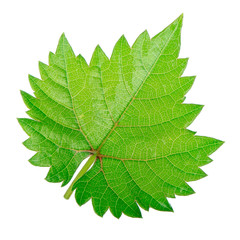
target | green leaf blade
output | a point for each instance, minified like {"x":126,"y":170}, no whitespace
{"x":127,"y":113}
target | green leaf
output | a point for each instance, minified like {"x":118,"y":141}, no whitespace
{"x":127,"y":114}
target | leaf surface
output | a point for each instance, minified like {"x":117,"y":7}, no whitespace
{"x":127,"y":110}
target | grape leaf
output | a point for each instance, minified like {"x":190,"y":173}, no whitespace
{"x":127,"y":114}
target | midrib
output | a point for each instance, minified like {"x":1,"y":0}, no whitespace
{"x":132,"y":99}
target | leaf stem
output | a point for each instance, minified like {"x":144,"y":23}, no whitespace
{"x":87,"y":165}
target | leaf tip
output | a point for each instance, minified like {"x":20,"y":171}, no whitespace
{"x":145,"y":32}
{"x":191,"y":191}
{"x":220,"y":143}
{"x":20,"y":120}
{"x":98,"y":56}
{"x":169,"y":208}
{"x":31,"y":77}
{"x":23,"y":94}
{"x":180,"y":17}
{"x":124,"y":41}
{"x":41,"y":65}
{"x":63,"y":35}
{"x":98,"y":49}
{"x":63,"y":44}
{"x":179,"y":20}
{"x":217,"y":144}
{"x":62,"y":38}
{"x":65,"y":182}
{"x":21,"y":91}
{"x":123,"y":37}
{"x":51,"y":58}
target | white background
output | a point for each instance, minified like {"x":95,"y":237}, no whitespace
{"x":30,"y":207}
